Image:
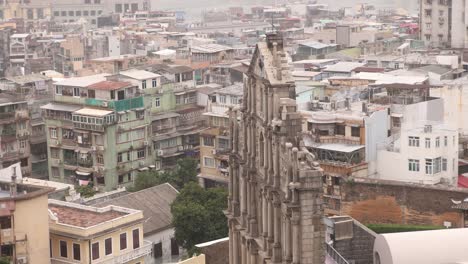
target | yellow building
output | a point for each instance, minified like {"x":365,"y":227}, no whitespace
{"x":214,"y":157}
{"x":23,"y":223}
{"x":85,"y":234}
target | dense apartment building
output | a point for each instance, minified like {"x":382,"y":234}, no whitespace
{"x":96,"y":132}
{"x":215,"y":141}
{"x":14,"y":133}
{"x":36,"y":90}
{"x":22,"y":241}
{"x":86,"y":234}
{"x":274,"y":205}
{"x":443,"y":23}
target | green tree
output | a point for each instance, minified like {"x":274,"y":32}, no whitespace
{"x":184,"y":172}
{"x":4,"y":260}
{"x":197,"y":215}
{"x":86,"y":191}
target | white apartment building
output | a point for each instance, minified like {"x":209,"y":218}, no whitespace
{"x":425,"y":154}
{"x":443,"y":23}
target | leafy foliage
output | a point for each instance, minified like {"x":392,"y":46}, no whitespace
{"x":394,"y":228}
{"x":198,"y":215}
{"x":185,"y":172}
{"x":86,"y":191}
{"x":4,"y":260}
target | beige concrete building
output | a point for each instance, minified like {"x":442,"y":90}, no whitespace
{"x":275,"y":192}
{"x":85,"y":234}
{"x":24,"y":239}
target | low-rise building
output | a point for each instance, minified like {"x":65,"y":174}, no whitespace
{"x":157,"y":223}
{"x":24,"y":240}
{"x":86,"y":234}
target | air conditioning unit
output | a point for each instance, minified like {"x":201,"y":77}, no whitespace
{"x":141,"y":163}
{"x":101,"y":148}
{"x":180,"y":148}
{"x":213,"y":151}
{"x":161,"y":91}
{"x":146,"y":143}
{"x":160,"y":152}
{"x":93,"y":148}
{"x":105,"y":104}
{"x":22,"y":260}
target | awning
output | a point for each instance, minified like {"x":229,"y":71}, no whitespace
{"x":61,"y":107}
{"x":396,"y":115}
{"x":81,"y":173}
{"x":143,"y":169}
{"x":346,"y":148}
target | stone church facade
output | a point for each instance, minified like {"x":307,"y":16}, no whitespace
{"x":275,"y":190}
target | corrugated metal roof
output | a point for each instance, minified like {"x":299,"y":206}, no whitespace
{"x":155,"y":202}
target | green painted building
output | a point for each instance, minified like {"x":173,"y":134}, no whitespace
{"x":97,"y":132}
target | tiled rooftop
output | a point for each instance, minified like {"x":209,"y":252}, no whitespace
{"x":109,"y":85}
{"x":82,"y":218}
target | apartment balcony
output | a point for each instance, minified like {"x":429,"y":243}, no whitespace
{"x":341,"y":168}
{"x":37,"y":138}
{"x":22,"y":114}
{"x":128,"y":256}
{"x":11,"y":155}
{"x":8,"y":135}
{"x":6,"y":118}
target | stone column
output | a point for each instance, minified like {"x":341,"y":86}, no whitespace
{"x":276,"y":162}
{"x":270,"y":224}
{"x":272,"y":106}
{"x":235,"y":247}
{"x":244,"y":201}
{"x":244,"y":253}
{"x":270,"y":159}
{"x":231,"y":242}
{"x":287,"y":239}
{"x":265,"y":218}
{"x":296,"y":238}
{"x":277,"y":229}
{"x":235,"y":199}
{"x":253,"y":210}
{"x":253,"y":256}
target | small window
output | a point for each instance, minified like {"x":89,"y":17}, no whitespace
{"x":76,"y":251}
{"x":119,"y":157}
{"x":445,"y":141}
{"x":444,"y":164}
{"x":413,"y":141}
{"x":355,"y":131}
{"x":76,"y":91}
{"x":53,"y":133}
{"x":208,"y":162}
{"x":174,"y":247}
{"x":63,"y":249}
{"x":222,"y":99}
{"x":154,"y":82}
{"x":141,"y":154}
{"x":143,"y":84}
{"x":95,"y":250}
{"x":208,"y":141}
{"x":427,"y":142}
{"x":157,"y":102}
{"x":136,"y":238}
{"x":158,"y":250}
{"x":437,"y":142}
{"x":413,"y":165}
{"x":123,"y":241}
{"x":108,"y":246}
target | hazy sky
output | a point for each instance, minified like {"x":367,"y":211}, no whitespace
{"x":195,"y":7}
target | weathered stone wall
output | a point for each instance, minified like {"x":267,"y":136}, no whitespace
{"x":359,"y":248}
{"x":372,"y":201}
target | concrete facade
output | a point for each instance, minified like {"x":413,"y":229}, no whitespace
{"x":274,"y":205}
